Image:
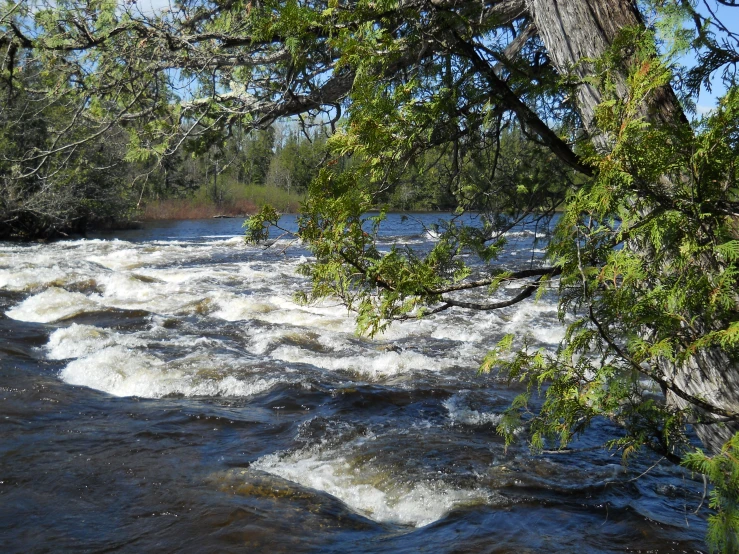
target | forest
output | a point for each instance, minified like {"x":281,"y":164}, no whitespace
{"x":512,"y":109}
{"x":98,"y":187}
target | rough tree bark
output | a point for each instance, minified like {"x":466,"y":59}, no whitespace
{"x":572,"y":30}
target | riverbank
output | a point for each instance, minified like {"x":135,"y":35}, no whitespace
{"x":234,"y":200}
{"x":186,"y":208}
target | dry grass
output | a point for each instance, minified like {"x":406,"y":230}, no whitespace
{"x":187,"y":208}
{"x":239,"y":201}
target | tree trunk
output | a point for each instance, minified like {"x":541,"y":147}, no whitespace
{"x":576,"y":29}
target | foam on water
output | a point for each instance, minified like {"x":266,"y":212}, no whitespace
{"x":121,"y":291}
{"x":30,"y":268}
{"x":232,"y":307}
{"x":132,"y":292}
{"x":466,"y":328}
{"x":77,"y":341}
{"x":525,"y":233}
{"x":459,"y":326}
{"x":367,"y":489}
{"x":53,"y":304}
{"x":120,"y":255}
{"x":461,"y":413}
{"x":224,"y":279}
{"x":18,"y":279}
{"x":539,"y":319}
{"x":263,"y":341}
{"x":309,"y":320}
{"x":398,"y":427}
{"x":122,"y":371}
{"x":281,"y":311}
{"x":118,"y":363}
{"x":248,"y":272}
{"x":121,"y":259}
{"x":372,"y":366}
{"x":183,"y":275}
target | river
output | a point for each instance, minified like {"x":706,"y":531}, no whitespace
{"x":160,"y":391}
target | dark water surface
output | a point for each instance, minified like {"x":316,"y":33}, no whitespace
{"x":161,"y":392}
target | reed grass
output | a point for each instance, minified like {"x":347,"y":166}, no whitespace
{"x":237,"y":200}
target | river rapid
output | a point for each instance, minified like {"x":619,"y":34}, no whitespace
{"x":161,"y":392}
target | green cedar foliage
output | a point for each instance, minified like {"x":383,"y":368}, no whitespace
{"x":648,"y":251}
{"x":722,"y":470}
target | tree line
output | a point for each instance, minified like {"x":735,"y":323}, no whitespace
{"x":49,"y":191}
{"x":99,"y":184}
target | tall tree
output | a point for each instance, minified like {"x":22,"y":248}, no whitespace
{"x":76,"y":186}
{"x":576,"y":34}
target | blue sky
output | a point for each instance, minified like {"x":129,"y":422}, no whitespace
{"x":730,"y":18}
{"x":707,"y":100}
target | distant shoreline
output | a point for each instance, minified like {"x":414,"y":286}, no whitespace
{"x":210,"y":213}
